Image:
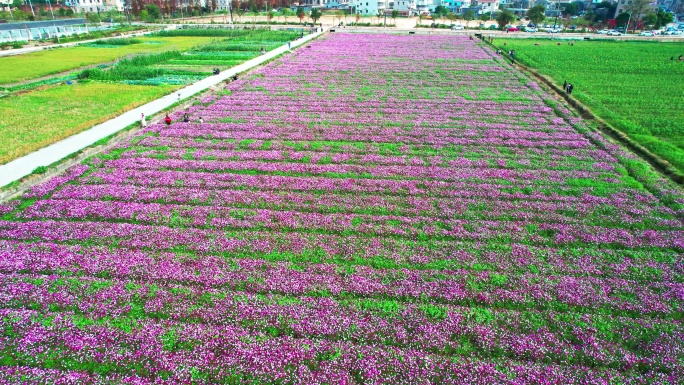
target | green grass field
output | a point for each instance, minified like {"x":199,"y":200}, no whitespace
{"x":632,"y":85}
{"x":30,"y":66}
{"x":38,"y":118}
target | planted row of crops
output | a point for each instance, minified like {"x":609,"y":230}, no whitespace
{"x":340,"y":217}
{"x":227,"y":49}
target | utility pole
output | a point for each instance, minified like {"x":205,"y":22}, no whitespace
{"x":628,"y":20}
{"x":50,"y":5}
{"x":32,"y":12}
{"x":230,"y":10}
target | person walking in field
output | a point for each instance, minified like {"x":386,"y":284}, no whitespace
{"x":681,"y":58}
{"x":570,"y":89}
{"x":565,"y":85}
{"x":201,"y":120}
{"x":167,"y":120}
{"x":143,"y":122}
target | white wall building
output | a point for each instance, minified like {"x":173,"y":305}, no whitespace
{"x":88,"y":5}
{"x":488,"y":6}
{"x":115,"y":5}
{"x":370,"y":7}
{"x":406,"y":7}
{"x":336,"y":4}
{"x":623,"y":4}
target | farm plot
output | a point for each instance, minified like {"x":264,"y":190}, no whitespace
{"x":635,"y":86}
{"x":372,"y":209}
{"x":50,"y":112}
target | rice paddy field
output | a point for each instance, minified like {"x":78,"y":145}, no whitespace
{"x":632,"y":85}
{"x":371,"y":209}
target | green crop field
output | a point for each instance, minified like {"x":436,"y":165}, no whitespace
{"x":34,"y":65}
{"x":43,"y":113}
{"x":38,"y":118}
{"x":632,"y":85}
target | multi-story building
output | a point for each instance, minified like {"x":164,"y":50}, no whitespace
{"x":337,"y":4}
{"x":370,"y":7}
{"x":488,"y":6}
{"x":623,"y":5}
{"x":87,"y":5}
{"x":406,"y":7}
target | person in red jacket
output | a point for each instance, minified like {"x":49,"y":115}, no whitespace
{"x":167,"y":120}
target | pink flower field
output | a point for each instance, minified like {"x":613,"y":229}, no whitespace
{"x":371,"y":209}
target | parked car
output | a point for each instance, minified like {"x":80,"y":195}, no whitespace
{"x":531,"y":25}
{"x":512,"y":29}
{"x":555,"y":30}
{"x":603,"y":32}
{"x":613,"y":32}
{"x":531,"y":29}
{"x":646,"y":33}
{"x":457,"y":27}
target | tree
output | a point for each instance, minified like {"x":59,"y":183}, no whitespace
{"x":571,"y":9}
{"x":255,"y":11}
{"x":637,"y":9}
{"x":469,"y":15}
{"x":537,"y":14}
{"x":651,"y":19}
{"x":301,"y":14}
{"x":485,"y":16}
{"x":440,"y":11}
{"x":17,"y":3}
{"x":269,"y":16}
{"x":504,"y":18}
{"x":153,"y":12}
{"x":663,"y":18}
{"x":452,"y":17}
{"x":395,"y":14}
{"x":621,"y":19}
{"x":315,"y":14}
{"x":285,"y":12}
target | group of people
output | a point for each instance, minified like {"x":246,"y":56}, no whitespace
{"x":168,"y":120}
{"x":567,"y":87}
{"x":680,"y":58}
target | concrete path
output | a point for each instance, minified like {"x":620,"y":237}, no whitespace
{"x":23,"y":166}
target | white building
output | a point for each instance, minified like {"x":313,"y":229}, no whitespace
{"x":87,"y":5}
{"x":488,"y":6}
{"x":406,"y":7}
{"x":370,"y":7}
{"x":336,"y":4}
{"x":114,"y":5}
{"x":623,"y":4}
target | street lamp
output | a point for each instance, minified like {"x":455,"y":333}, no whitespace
{"x":558,"y":11}
{"x":628,"y":20}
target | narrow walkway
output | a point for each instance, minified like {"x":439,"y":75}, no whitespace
{"x":23,"y":166}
